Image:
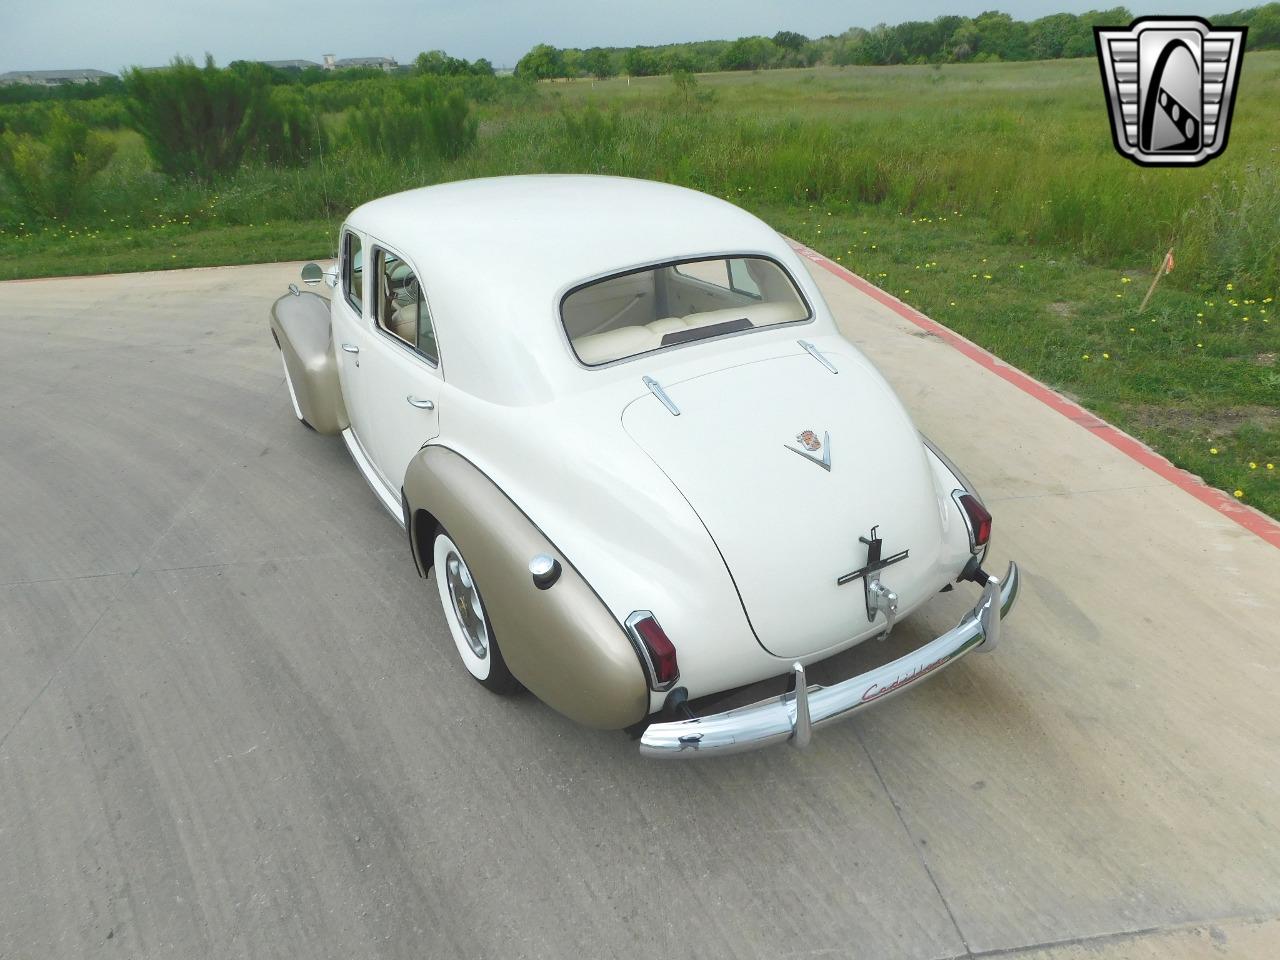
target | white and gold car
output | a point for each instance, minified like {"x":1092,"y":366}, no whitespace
{"x":622,"y":432}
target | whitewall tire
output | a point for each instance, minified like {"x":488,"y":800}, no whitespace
{"x":468,"y":622}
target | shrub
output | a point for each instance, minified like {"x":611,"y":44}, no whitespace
{"x":290,"y":134}
{"x":197,"y":122}
{"x":453,"y":128}
{"x":50,"y":176}
{"x":420,"y":119}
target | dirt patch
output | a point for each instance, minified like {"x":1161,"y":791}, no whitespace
{"x":1265,"y":360}
{"x":1210,"y":423}
{"x":1062,"y":309}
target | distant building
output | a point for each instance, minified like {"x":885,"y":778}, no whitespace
{"x":54,"y":78}
{"x":387,"y":64}
{"x":292,"y":64}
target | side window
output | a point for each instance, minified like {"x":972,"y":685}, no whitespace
{"x":353,"y":272}
{"x":741,"y":281}
{"x":400,"y":307}
{"x":426,"y":331}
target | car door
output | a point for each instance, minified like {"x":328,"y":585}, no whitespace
{"x":404,"y":363}
{"x":352,"y":333}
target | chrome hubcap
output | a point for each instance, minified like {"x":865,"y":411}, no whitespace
{"x":466,"y":605}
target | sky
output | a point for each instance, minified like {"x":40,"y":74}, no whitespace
{"x":65,"y":34}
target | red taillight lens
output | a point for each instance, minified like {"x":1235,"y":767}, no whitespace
{"x":658,"y":648}
{"x":979,"y":519}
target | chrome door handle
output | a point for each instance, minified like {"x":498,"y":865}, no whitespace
{"x":350,"y":348}
{"x":420,"y":404}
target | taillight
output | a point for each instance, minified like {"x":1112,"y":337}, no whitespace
{"x":979,"y":520}
{"x":657,"y":652}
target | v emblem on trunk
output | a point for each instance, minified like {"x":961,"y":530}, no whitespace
{"x":811,"y":444}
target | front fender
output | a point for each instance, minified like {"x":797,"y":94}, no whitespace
{"x":562,"y":643}
{"x":300,"y":325}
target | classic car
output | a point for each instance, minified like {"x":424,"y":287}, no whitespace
{"x":621,"y":431}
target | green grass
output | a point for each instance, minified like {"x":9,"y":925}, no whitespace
{"x":1190,"y":376}
{"x":1003,"y":171}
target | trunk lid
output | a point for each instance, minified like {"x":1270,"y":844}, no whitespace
{"x":786,"y":526}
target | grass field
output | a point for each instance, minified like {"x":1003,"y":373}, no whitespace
{"x":987,"y":195}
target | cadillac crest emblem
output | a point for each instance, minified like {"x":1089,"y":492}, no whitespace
{"x":810,"y":445}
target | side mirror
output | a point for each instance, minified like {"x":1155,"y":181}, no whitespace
{"x":312,"y":273}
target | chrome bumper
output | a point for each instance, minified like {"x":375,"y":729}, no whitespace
{"x":793,"y":715}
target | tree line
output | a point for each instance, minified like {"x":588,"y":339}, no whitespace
{"x":990,"y":36}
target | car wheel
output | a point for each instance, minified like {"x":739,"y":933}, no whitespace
{"x":468,"y":622}
{"x":293,"y":394}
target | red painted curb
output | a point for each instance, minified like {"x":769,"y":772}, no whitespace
{"x":1252,"y":520}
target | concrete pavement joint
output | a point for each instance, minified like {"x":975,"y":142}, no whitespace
{"x":897,"y":812}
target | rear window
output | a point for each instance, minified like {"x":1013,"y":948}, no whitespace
{"x":678,"y":303}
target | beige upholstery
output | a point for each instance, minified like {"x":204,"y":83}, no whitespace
{"x":628,"y":341}
{"x":404,"y":322}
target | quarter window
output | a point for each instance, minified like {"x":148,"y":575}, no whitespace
{"x":353,"y":272}
{"x":400,"y":306}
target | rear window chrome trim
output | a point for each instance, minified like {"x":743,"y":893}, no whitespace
{"x":809,"y":317}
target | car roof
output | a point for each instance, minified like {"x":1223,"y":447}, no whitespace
{"x":496,"y":255}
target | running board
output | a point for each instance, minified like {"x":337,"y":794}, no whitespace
{"x":386,"y":496}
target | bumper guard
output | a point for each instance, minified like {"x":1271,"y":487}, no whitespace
{"x":793,"y":716}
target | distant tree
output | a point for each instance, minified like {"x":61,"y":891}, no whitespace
{"x":598,"y":63}
{"x":1049,"y":36}
{"x":541,"y":63}
{"x":748,"y":53}
{"x":642,"y":62}
{"x":481,"y":68}
{"x":1264,"y":27}
{"x":437,"y":63}
{"x":999,"y":35}
{"x":572,"y":60}
{"x":918,"y":39}
{"x":678,"y":60}
{"x":790,"y":40}
{"x":964,"y":42}
{"x":263,"y":71}
{"x":881,"y":46}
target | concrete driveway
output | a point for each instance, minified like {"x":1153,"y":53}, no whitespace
{"x":232,"y":724}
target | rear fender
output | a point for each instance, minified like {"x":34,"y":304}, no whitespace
{"x":562,"y":642}
{"x":300,"y":326}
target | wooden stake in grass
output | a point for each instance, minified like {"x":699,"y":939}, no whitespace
{"x":1166,"y":266}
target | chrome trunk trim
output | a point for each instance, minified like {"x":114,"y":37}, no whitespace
{"x":817,"y":355}
{"x":656,"y":389}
